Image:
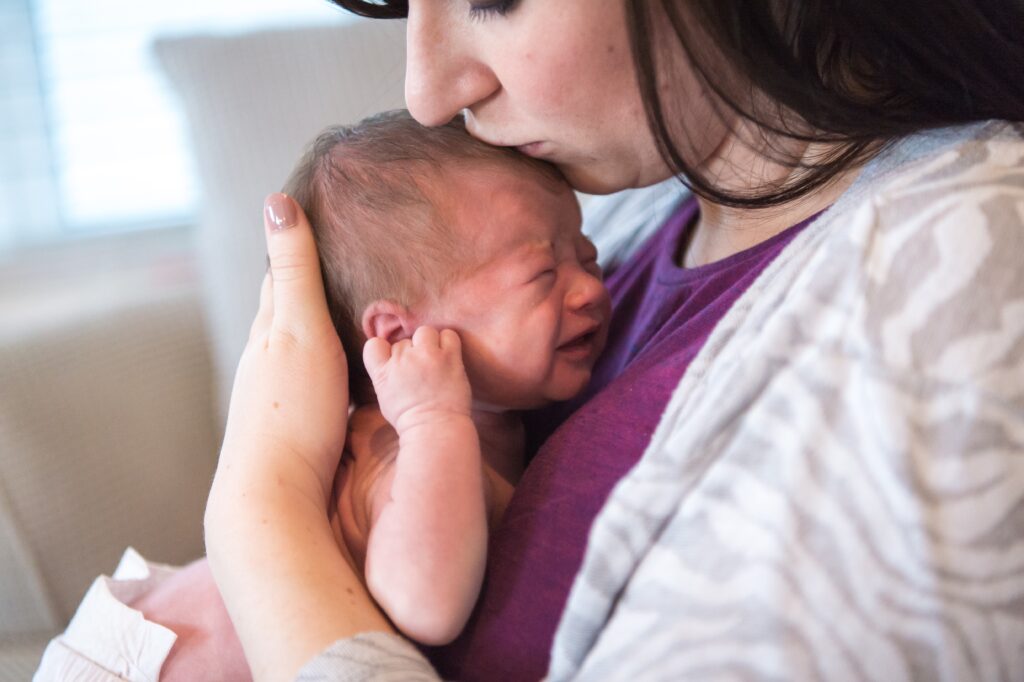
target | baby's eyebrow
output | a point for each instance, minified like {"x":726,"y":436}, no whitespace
{"x":537,"y":248}
{"x":523,"y":254}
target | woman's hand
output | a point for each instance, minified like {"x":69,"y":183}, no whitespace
{"x":286,"y":581}
{"x":289,"y":403}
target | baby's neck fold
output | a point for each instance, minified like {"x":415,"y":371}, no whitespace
{"x":493,"y":419}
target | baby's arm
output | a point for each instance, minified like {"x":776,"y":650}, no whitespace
{"x":428,"y":539}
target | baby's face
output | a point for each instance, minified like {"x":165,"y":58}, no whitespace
{"x":533,"y":315}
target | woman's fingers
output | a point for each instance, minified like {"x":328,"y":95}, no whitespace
{"x":265,"y":313}
{"x":298,"y":300}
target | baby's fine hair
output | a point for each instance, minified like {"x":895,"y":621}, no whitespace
{"x":371,"y":193}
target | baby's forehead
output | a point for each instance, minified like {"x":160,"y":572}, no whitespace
{"x":510,"y":213}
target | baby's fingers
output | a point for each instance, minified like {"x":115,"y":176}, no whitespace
{"x":376,"y":353}
{"x":450,"y":340}
{"x":425,"y":336}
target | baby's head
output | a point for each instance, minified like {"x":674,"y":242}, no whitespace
{"x":429,"y":226}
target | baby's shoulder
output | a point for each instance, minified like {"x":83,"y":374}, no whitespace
{"x":370,"y":437}
{"x":364,"y":476}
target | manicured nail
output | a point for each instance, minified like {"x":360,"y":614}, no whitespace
{"x":280,"y":210}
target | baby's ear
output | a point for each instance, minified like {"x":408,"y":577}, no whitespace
{"x":388,"y":320}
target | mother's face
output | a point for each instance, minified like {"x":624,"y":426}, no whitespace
{"x":552,"y":77}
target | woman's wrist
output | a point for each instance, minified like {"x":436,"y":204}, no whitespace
{"x":264,"y":463}
{"x":282,"y":575}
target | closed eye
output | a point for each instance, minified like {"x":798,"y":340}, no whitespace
{"x":496,"y":8}
{"x":592,"y":267}
{"x":543,"y":274}
{"x":586,"y":252}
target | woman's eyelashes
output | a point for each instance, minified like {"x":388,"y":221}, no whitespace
{"x":486,"y":10}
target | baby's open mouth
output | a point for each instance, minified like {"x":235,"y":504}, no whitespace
{"x":582,"y":342}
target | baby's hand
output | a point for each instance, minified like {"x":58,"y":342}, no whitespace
{"x":420,"y":380}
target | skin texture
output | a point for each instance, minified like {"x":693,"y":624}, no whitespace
{"x":532,"y":290}
{"x":512,"y":76}
{"x":554,"y":76}
{"x":536,"y":345}
{"x":530,"y":309}
{"x":559,"y":78}
{"x":533,"y":313}
{"x":521,"y":326}
{"x":189,"y":604}
{"x":288,"y":588}
{"x":427,"y":545}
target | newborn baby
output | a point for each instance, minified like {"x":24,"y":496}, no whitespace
{"x":462,"y":269}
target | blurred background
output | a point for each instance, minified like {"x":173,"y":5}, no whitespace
{"x":137,"y":140}
{"x":95,"y":139}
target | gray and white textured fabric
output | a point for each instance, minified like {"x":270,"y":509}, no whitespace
{"x":836,"y":488}
{"x":370,"y":657}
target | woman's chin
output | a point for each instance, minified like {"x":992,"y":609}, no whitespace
{"x":607,"y":178}
{"x":590,"y":180}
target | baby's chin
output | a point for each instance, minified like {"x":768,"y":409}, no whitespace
{"x":511,"y":404}
{"x":558,"y":393}
{"x":569,"y":392}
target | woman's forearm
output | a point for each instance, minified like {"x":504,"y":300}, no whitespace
{"x":288,"y":587}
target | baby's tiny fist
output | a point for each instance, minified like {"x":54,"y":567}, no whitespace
{"x":419,"y":379}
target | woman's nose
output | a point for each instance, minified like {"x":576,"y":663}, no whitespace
{"x":443,"y":76}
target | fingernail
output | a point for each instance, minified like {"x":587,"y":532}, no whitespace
{"x":280,"y":210}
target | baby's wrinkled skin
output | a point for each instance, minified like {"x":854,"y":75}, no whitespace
{"x":431,"y":466}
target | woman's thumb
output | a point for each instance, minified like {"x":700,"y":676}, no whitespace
{"x":298,"y":298}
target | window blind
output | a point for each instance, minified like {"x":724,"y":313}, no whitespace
{"x":91,"y":139}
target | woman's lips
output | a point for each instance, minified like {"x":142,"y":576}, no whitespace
{"x":531,"y":148}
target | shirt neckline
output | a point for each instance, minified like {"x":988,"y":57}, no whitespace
{"x":668,"y":272}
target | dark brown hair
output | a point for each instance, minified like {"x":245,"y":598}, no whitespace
{"x":855,"y":75}
{"x":373,"y":194}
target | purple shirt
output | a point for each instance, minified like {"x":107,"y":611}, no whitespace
{"x":662,"y":315}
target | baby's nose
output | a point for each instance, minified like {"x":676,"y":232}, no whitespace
{"x":586,"y":291}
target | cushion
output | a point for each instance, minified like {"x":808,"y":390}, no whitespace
{"x":253,"y":101}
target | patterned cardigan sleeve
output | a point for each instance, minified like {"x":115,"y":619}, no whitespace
{"x":369,"y":657}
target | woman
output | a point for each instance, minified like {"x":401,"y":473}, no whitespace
{"x":812,"y":411}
